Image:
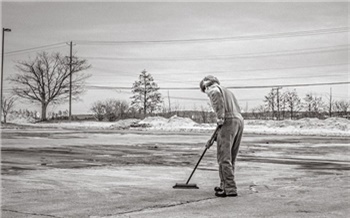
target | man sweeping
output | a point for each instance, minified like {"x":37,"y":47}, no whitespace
{"x":229,"y":137}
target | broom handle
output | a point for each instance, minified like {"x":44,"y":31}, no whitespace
{"x":205,"y":150}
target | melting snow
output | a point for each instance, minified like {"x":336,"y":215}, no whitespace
{"x":306,"y":126}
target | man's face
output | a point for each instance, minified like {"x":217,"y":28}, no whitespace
{"x":206,"y":90}
{"x":207,"y":85}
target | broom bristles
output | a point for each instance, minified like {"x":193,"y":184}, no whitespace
{"x":185,"y":186}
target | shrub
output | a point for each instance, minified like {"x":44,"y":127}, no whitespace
{"x":99,"y":110}
{"x":110,"y":109}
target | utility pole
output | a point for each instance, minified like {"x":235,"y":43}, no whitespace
{"x":278,"y":102}
{"x":2,"y":68}
{"x":169,"y":102}
{"x":145,"y":97}
{"x":330,"y":102}
{"x":70,"y":81}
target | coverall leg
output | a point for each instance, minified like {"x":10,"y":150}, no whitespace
{"x":229,"y":139}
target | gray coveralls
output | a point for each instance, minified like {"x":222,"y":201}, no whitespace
{"x":229,"y":138}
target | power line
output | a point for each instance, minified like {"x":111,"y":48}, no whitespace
{"x":261,"y":69}
{"x":272,"y":35}
{"x":206,"y":99}
{"x":38,"y":48}
{"x":229,"y":87}
{"x":220,"y":71}
{"x":233,"y":38}
{"x":264,"y":78}
{"x":288,"y":85}
{"x":247,"y":55}
{"x":281,"y":77}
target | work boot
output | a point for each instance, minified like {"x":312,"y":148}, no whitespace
{"x":223,"y":194}
{"x":218,"y":189}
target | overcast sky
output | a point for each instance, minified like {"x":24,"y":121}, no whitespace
{"x":243,"y":44}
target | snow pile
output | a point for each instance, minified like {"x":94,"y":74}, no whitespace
{"x":153,"y":121}
{"x":124,"y":124}
{"x":174,"y":123}
{"x":305,"y":126}
{"x":338,"y":123}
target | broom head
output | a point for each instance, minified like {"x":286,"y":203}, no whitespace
{"x":185,"y":186}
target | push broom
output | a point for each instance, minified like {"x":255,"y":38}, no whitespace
{"x":188,"y":185}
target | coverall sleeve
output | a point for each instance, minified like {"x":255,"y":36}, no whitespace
{"x":217,"y":102}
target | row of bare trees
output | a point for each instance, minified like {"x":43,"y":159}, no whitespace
{"x":341,"y":107}
{"x":288,"y":104}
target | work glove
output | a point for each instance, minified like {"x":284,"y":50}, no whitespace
{"x":209,"y":144}
{"x":220,"y":122}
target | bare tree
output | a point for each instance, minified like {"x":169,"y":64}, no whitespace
{"x":342,"y":107}
{"x":122,"y":108}
{"x":116,"y":109}
{"x":313,"y":105}
{"x":99,"y":110}
{"x":46,"y":79}
{"x":270,"y":102}
{"x":146,"y":97}
{"x":110,"y":109}
{"x":318,"y":105}
{"x":293,"y":101}
{"x":7,"y":105}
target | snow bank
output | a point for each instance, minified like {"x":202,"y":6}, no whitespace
{"x":174,"y":123}
{"x":153,"y":121}
{"x":306,"y":126}
{"x":124,"y":124}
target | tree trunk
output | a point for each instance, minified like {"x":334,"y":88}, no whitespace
{"x":43,"y":111}
{"x":145,"y":99}
{"x":144,"y":104}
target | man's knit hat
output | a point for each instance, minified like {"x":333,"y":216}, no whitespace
{"x":208,"y":81}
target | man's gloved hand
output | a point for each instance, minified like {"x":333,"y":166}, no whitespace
{"x":209,"y":144}
{"x":220,"y":122}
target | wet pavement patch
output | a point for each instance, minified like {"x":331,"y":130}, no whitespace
{"x":284,"y":150}
{"x":275,"y":175}
{"x":95,"y":156}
